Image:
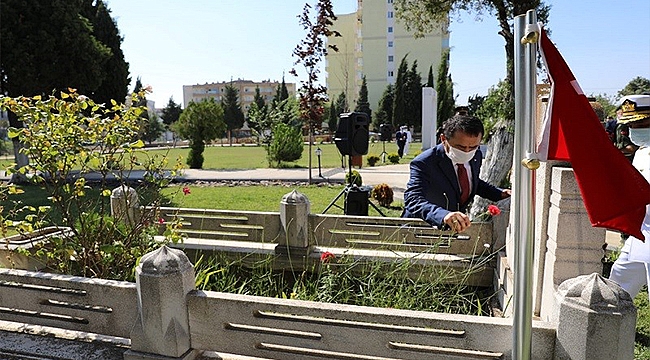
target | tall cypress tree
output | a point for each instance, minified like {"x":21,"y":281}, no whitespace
{"x":115,"y":85}
{"x":400,"y":111}
{"x":414,"y":98}
{"x":142,"y":102}
{"x":384,"y":114}
{"x":333,"y":118}
{"x":362,"y":103}
{"x":281,"y":93}
{"x":430,"y":82}
{"x":444,"y":88}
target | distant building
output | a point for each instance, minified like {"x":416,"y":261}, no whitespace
{"x":373,"y":43}
{"x":246,"y":89}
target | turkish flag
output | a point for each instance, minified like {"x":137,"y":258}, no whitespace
{"x":614,"y":192}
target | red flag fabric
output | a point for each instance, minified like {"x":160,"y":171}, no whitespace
{"x":614,"y":192}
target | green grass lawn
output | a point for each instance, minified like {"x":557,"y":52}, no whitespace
{"x":254,"y":157}
{"x":263,"y":198}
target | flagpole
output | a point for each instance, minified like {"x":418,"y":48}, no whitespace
{"x":523,"y":195}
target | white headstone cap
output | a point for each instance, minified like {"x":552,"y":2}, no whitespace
{"x":164,"y":260}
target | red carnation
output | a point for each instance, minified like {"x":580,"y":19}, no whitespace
{"x":186,"y":190}
{"x":326,"y":256}
{"x":493,"y":210}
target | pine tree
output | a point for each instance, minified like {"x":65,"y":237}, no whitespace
{"x":232,"y":112}
{"x":171,"y":112}
{"x":362,"y":103}
{"x":257,"y":116}
{"x":342,"y":105}
{"x":259,"y":99}
{"x":200,"y":123}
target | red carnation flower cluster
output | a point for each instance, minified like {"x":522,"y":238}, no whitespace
{"x":326,"y":257}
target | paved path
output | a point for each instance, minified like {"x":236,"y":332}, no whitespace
{"x":396,"y":176}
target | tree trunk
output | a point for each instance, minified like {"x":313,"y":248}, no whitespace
{"x":497,"y":164}
{"x":21,"y":161}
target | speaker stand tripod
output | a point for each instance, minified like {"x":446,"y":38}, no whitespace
{"x":347,"y":190}
{"x":383,"y":153}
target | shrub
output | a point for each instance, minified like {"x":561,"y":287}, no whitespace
{"x":393,"y":158}
{"x":72,"y":133}
{"x":287,"y":144}
{"x":372,"y":160}
{"x":383,"y":194}
{"x":356,"y":178}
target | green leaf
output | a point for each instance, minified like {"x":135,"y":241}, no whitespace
{"x":106,"y":248}
{"x":137,"y":145}
{"x":14,"y":132}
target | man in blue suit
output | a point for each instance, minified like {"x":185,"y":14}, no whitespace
{"x":438,"y":176}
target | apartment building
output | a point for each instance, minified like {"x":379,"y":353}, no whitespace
{"x":246,"y":89}
{"x":373,"y":43}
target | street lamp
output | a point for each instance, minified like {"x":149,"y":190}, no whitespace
{"x":318,"y":152}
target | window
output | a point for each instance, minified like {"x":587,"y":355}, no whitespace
{"x":390,"y":1}
{"x":390,"y":58}
{"x":390,"y":73}
{"x":390,"y":14}
{"x":390,"y":44}
{"x":390,"y":29}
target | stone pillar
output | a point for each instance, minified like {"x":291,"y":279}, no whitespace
{"x":595,"y":320}
{"x":294,"y":216}
{"x":125,"y":204}
{"x":573,"y":246}
{"x":543,"y":192}
{"x":429,"y":116}
{"x":161,"y":331}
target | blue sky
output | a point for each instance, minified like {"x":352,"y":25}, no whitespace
{"x":171,"y":43}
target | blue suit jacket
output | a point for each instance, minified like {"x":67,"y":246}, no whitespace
{"x":433,"y":191}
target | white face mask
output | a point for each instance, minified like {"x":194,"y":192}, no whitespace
{"x":459,"y":156}
{"x":640,"y":136}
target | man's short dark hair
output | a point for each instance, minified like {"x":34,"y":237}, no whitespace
{"x":470,"y":125}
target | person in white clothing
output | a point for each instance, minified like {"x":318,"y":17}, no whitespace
{"x":409,"y":139}
{"x":632,"y":268}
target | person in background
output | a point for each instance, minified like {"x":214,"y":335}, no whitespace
{"x":444,"y":179}
{"x":409,"y":139}
{"x":632,"y":268}
{"x":400,"y":139}
{"x":610,"y":128}
{"x":623,"y":141}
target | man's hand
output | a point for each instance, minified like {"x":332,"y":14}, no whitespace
{"x":506,"y":193}
{"x":457,"y":221}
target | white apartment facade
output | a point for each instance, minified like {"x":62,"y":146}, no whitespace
{"x":246,"y":90}
{"x":373,"y":43}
